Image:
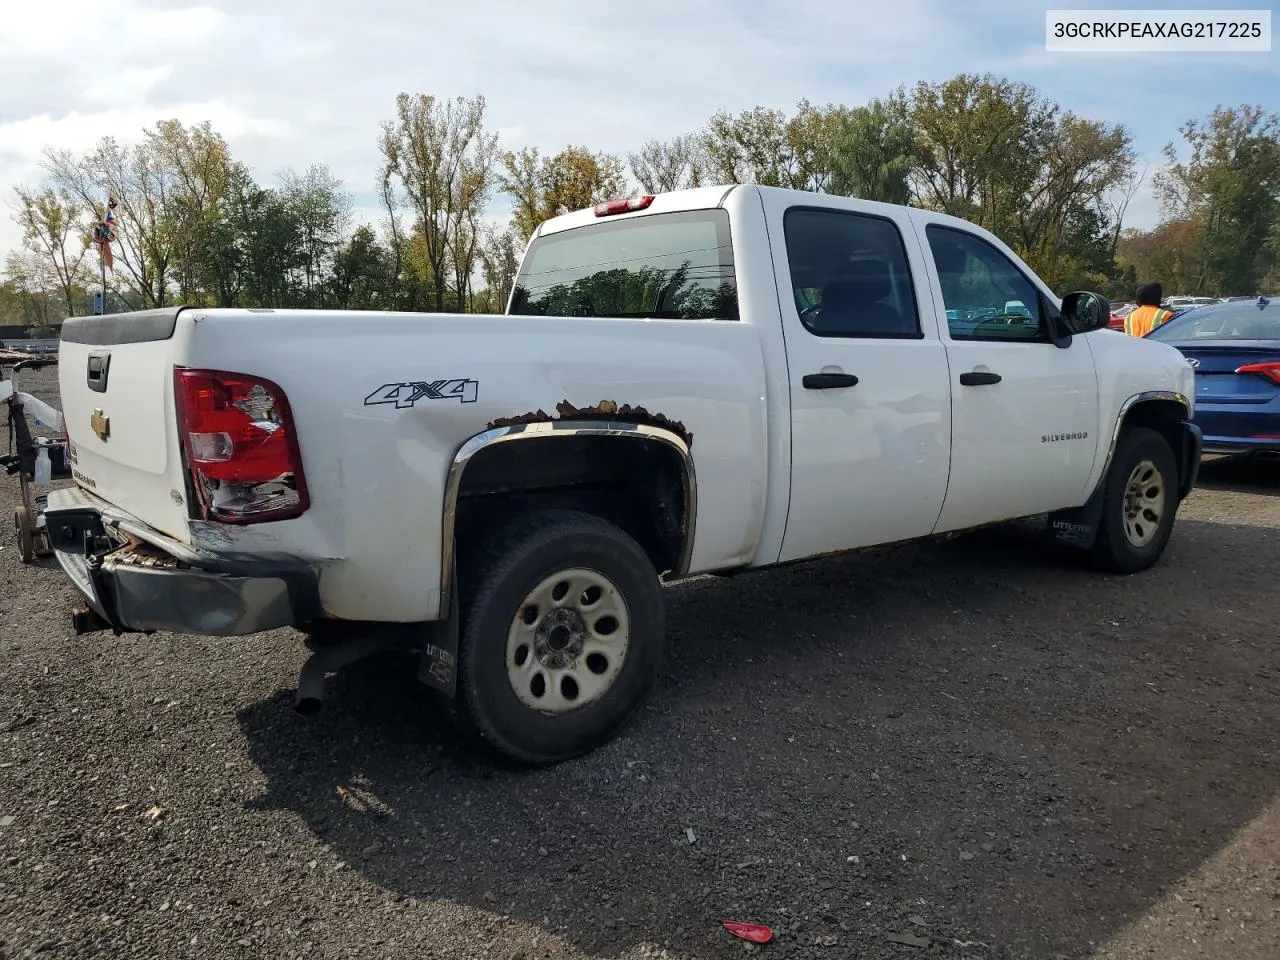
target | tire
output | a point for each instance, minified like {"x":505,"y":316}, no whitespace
{"x":26,"y":536}
{"x":537,"y":600}
{"x":1133,"y":533}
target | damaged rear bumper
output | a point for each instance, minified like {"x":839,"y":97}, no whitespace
{"x":136,"y":579}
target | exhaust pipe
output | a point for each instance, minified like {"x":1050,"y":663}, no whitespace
{"x":310,"y":695}
{"x":330,"y":658}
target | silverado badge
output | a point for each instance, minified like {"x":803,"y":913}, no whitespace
{"x":100,"y":424}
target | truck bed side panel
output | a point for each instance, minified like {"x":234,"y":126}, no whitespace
{"x":376,"y":461}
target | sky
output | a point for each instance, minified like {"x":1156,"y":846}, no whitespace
{"x":290,"y":83}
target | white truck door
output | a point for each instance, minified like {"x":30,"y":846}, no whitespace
{"x":1024,"y":411}
{"x":867,"y":372}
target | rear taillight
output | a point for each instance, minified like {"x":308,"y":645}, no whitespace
{"x":1270,"y":369}
{"x":240,"y":445}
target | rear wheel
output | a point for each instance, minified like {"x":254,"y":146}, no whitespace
{"x":26,"y":535}
{"x":1139,"y":505}
{"x":563,"y":631}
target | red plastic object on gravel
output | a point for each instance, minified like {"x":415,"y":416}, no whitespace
{"x":755,"y":932}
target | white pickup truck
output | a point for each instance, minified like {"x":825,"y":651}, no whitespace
{"x":699,"y":382}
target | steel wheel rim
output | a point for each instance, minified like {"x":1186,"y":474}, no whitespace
{"x":1144,"y":503}
{"x":568,"y":641}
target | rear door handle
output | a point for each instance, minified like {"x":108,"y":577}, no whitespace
{"x":828,"y":381}
{"x":976,"y":378}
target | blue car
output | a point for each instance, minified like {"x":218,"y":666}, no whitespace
{"x":1235,"y":349}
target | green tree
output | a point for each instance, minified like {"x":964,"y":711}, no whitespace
{"x":27,"y":276}
{"x":362,"y":278}
{"x":1063,"y":224}
{"x":980,"y":142}
{"x":164,"y":186}
{"x":54,"y":230}
{"x":872,"y":152}
{"x":999,"y":154}
{"x":442,"y":158}
{"x":320,"y":209}
{"x":192,"y":165}
{"x":545,"y":187}
{"x":1231,"y":185}
{"x":750,"y":147}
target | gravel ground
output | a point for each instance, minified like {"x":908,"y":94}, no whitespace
{"x":967,"y":750}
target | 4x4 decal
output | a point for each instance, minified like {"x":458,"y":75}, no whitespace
{"x":407,"y":394}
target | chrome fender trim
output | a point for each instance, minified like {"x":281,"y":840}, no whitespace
{"x":1128,"y":405}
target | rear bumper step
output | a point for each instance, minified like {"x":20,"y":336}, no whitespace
{"x":140,"y":580}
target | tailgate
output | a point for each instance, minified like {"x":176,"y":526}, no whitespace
{"x":115,"y":375}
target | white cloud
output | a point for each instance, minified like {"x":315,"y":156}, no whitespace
{"x":294,"y":82}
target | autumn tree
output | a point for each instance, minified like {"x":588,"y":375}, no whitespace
{"x":661,"y":166}
{"x":1170,"y":254}
{"x":545,"y":187}
{"x":810,"y":134}
{"x":1062,"y":226}
{"x":192,"y":166}
{"x":54,"y":231}
{"x":397,"y":245}
{"x":767,"y":147}
{"x":163,"y":185}
{"x":1230,"y":185}
{"x":500,"y":262}
{"x":442,"y":158}
{"x":999,"y":154}
{"x":980,"y":142}
{"x":750,"y":147}
{"x":29,"y":277}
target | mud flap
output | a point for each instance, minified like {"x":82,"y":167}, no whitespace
{"x":438,"y":665}
{"x":1078,"y":527}
{"x":1191,"y":452}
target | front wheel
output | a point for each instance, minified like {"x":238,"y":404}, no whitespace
{"x":1139,"y":504}
{"x":564,"y":625}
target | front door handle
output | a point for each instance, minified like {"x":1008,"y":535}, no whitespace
{"x":977,"y":378}
{"x":828,"y":381}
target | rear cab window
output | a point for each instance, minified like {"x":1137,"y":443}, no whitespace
{"x":849,"y":275}
{"x":672,"y":266}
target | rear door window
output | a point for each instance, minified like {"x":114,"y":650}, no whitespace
{"x":675,"y":266}
{"x":849,"y":275}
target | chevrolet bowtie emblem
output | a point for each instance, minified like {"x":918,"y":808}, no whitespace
{"x":100,"y":424}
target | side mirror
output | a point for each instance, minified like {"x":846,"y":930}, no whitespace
{"x":1083,"y":312}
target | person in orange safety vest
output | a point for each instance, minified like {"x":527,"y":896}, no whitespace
{"x":1148,"y":314}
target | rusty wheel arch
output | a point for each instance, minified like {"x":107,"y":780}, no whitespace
{"x":609,"y":411}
